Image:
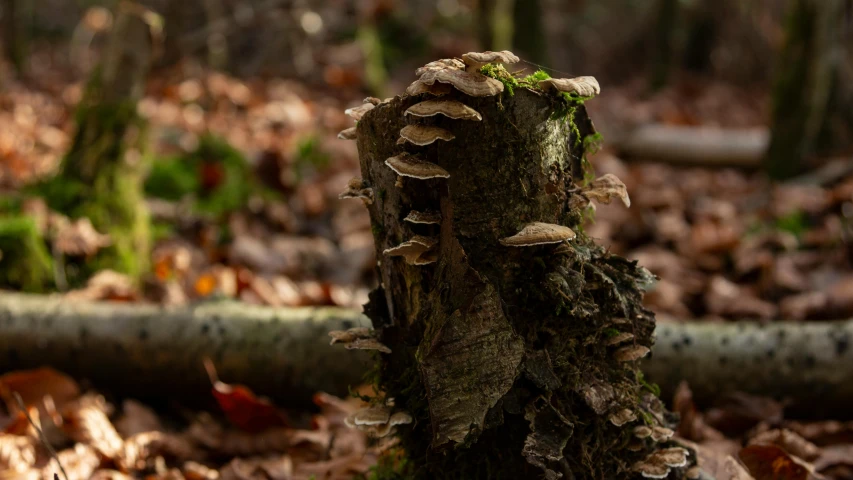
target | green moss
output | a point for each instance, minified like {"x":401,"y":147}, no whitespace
{"x":25,"y":263}
{"x":500,"y":73}
{"x":651,"y":387}
{"x":532,"y":81}
{"x":794,"y":222}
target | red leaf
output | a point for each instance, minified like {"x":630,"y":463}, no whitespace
{"x":770,"y":462}
{"x":242,"y":408}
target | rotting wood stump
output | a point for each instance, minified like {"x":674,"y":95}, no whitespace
{"x":513,"y":338}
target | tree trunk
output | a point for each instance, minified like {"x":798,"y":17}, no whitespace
{"x":15,"y":27}
{"x":499,"y":352}
{"x":495,"y":24}
{"x":667,"y":24}
{"x":528,"y":32}
{"x":100,"y":176}
{"x":812,"y":97}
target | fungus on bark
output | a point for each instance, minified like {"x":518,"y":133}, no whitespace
{"x":422,"y":135}
{"x":428,"y":218}
{"x":583,"y":86}
{"x":358,"y":338}
{"x":476,"y":60}
{"x":449,"y":108}
{"x":357,"y":112}
{"x":407,"y":165}
{"x":500,"y":354}
{"x":539,"y":233}
{"x":347,"y":134}
{"x":436,"y":89}
{"x":357,"y":189}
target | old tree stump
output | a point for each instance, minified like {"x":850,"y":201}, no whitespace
{"x":506,"y":348}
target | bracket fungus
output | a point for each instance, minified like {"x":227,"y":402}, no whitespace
{"x":661,"y":434}
{"x":626,"y":415}
{"x":347,"y":134}
{"x":476,"y":60}
{"x":583,"y":86}
{"x":619,"y":338}
{"x":422,"y":135}
{"x":441,"y":64}
{"x":412,"y":249}
{"x":469,"y":83}
{"x":436,"y":89}
{"x":449,"y":108}
{"x":407,"y":165}
{"x":357,"y":112}
{"x":605,"y":188}
{"x":428,"y":218}
{"x":642,"y":431}
{"x":357,"y":189}
{"x":377,"y":421}
{"x":659,"y":463}
{"x":358,"y":338}
{"x":539,"y":233}
{"x":631,"y":353}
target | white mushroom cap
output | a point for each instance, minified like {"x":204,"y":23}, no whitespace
{"x":358,"y":338}
{"x":400,"y":418}
{"x":657,"y":465}
{"x":642,"y":431}
{"x":424,"y":134}
{"x":348,"y":134}
{"x":357,"y":112}
{"x":631,"y":353}
{"x":437,"y":89}
{"x":583,"y":86}
{"x":539,"y":233}
{"x":429,"y":218}
{"x":449,"y":108}
{"x":407,"y":165}
{"x":430,"y":256}
{"x":469,"y":83}
{"x":607,"y":187}
{"x":619,"y":338}
{"x":622,"y":417}
{"x":475,"y":60}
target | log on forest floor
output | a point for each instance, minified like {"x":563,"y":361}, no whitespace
{"x":147,"y":350}
{"x":697,"y":146}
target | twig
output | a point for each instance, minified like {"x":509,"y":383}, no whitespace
{"x":42,"y":437}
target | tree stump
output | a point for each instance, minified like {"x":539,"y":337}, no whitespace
{"x":513,"y":361}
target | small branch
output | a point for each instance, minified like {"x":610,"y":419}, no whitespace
{"x":41,"y":434}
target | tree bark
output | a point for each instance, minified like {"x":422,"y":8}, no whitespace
{"x":499,"y":352}
{"x":149,"y":351}
{"x":812,"y":96}
{"x":15,"y":32}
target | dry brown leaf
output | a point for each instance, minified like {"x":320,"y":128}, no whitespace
{"x":137,"y":418}
{"x":34,"y":385}
{"x":86,"y":421}
{"x":773,"y":462}
{"x":790,"y":441}
{"x":79,"y":238}
{"x":106,"y":285}
{"x":605,"y":188}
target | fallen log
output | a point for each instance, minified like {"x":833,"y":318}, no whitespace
{"x":810,"y":365}
{"x":150,"y":351}
{"x":695,"y":146}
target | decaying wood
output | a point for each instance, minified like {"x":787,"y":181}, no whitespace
{"x":146,"y":351}
{"x":115,"y":345}
{"x":701,"y":146}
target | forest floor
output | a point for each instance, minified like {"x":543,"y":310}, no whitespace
{"x":727,"y":244}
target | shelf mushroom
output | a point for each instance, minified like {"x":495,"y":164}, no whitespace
{"x":442,"y":106}
{"x":407,"y":165}
{"x":539,"y":233}
{"x":422,"y":135}
{"x":583,"y":86}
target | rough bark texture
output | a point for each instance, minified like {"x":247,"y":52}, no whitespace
{"x":491,"y":345}
{"x":149,"y":351}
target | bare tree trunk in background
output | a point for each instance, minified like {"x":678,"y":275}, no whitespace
{"x":500,"y":353}
{"x":100,"y":177}
{"x":217,"y":45}
{"x":812,"y":96}
{"x":495,"y":24}
{"x":528,"y":33}
{"x":15,"y":33}
{"x":664,"y":44}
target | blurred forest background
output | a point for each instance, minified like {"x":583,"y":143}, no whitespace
{"x":235,"y":106}
{"x":172,"y":152}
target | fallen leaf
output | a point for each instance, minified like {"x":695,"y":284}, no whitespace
{"x":242,"y":407}
{"x":34,"y":385}
{"x":771,"y":462}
